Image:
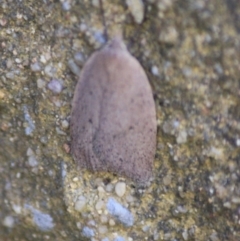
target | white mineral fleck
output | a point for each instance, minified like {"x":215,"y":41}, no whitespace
{"x":120,"y":188}
{"x":65,"y":124}
{"x":238,"y":142}
{"x":18,"y":61}
{"x":215,"y":152}
{"x":32,"y":161}
{"x":185,"y":235}
{"x":17,"y":209}
{"x":8,"y":221}
{"x":80,"y":203}
{"x":154,"y":70}
{"x":182,"y":137}
{"x":136,"y":8}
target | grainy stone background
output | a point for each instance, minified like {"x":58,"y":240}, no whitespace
{"x":190,"y":52}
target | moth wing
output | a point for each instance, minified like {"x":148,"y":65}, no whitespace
{"x":125,"y":141}
{"x":113,"y":119}
{"x":85,"y":113}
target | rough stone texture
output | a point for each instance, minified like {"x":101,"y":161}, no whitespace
{"x":195,"y":46}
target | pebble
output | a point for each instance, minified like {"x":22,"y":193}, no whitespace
{"x":75,"y":179}
{"x":31,"y":126}
{"x":73,"y":67}
{"x":121,"y":213}
{"x":102,"y":229}
{"x":238,"y":142}
{"x":105,"y":239}
{"x":214,"y":237}
{"x":182,"y":137}
{"x":49,"y":70}
{"x":95,"y":3}
{"x":99,"y":38}
{"x":163,"y":5}
{"x":10,"y":75}
{"x":111,"y":222}
{"x":2,"y":95}
{"x":169,"y":35}
{"x":215,"y":152}
{"x":99,"y":205}
{"x":109,"y":187}
{"x":65,"y":124}
{"x":9,"y":63}
{"x":42,"y":220}
{"x":44,"y":139}
{"x":100,"y":191}
{"x":167,"y":180}
{"x":55,"y":86}
{"x":145,"y":228}
{"x":119,"y":239}
{"x":88,"y":232}
{"x":120,"y":188}
{"x":185,"y":235}
{"x":30,"y":152}
{"x":79,"y":58}
{"x":41,"y":83}
{"x":104,"y":219}
{"x":136,"y":8}
{"x":66,"y":6}
{"x":154,"y":70}
{"x":32,"y":161}
{"x":43,"y":59}
{"x":35,"y":67}
{"x":83,"y":27}
{"x":8,"y":221}
{"x":80,"y":203}
{"x":129,"y":198}
{"x":18,"y":61}
{"x":17,"y":209}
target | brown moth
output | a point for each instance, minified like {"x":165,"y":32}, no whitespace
{"x":113,"y":118}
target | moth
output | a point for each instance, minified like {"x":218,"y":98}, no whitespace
{"x":113,"y":118}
